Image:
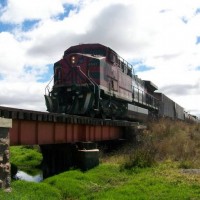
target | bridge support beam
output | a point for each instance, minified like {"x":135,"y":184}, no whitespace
{"x":40,"y":132}
{"x":5,"y":173}
{"x":58,"y":158}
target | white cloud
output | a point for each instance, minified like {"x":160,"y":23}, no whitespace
{"x":162,"y":34}
{"x":21,"y":10}
{"x":11,"y":54}
{"x":19,"y":94}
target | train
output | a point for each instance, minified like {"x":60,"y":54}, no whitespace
{"x":170,"y":109}
{"x":93,"y":80}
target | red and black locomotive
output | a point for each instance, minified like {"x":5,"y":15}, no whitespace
{"x":93,"y":80}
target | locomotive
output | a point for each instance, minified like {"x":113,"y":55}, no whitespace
{"x":93,"y":80}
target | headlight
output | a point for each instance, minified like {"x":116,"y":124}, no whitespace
{"x":73,"y":59}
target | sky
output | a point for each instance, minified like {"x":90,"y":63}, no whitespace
{"x":161,"y":39}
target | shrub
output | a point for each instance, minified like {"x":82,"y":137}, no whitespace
{"x":176,"y":140}
{"x":142,"y":155}
{"x":166,"y":139}
{"x":141,"y":158}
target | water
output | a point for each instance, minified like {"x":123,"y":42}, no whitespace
{"x":21,"y":175}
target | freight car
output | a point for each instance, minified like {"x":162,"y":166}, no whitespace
{"x":168,"y":108}
{"x":92,"y":79}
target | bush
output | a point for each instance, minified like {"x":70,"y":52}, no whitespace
{"x":143,"y":155}
{"x":176,"y":140}
{"x":141,"y":158}
{"x":166,"y":139}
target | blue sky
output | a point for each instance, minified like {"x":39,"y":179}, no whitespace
{"x":160,"y":38}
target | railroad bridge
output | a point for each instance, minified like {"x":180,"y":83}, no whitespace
{"x":64,"y":139}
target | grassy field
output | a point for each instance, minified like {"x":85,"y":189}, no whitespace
{"x":110,"y":181}
{"x":158,"y":167}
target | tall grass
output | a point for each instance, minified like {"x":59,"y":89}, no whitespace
{"x":167,"y":140}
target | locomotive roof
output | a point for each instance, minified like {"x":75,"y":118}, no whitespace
{"x":150,"y":85}
{"x":87,"y":46}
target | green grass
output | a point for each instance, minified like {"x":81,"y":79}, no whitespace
{"x":110,"y":182}
{"x":80,"y":185}
{"x":25,"y":156}
{"x":22,"y":190}
{"x":152,"y":171}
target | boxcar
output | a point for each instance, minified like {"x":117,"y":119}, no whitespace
{"x":166,"y":106}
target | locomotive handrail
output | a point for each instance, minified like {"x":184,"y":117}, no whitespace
{"x":47,"y":87}
{"x":126,"y":63}
{"x":91,"y":79}
{"x":93,"y":83}
{"x":96,"y":86}
{"x":86,"y":77}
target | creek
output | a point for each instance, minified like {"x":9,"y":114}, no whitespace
{"x":22,"y":175}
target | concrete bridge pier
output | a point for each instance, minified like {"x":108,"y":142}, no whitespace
{"x":87,"y":155}
{"x":5,"y":171}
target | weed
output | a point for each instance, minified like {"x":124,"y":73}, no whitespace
{"x":176,"y":140}
{"x":141,"y":158}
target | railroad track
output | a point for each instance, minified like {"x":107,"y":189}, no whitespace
{"x":22,"y":114}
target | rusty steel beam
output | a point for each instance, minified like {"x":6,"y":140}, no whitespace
{"x":24,"y":132}
{"x":35,"y":127}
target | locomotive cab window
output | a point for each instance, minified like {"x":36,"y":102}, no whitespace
{"x":124,"y":67}
{"x":112,"y":58}
{"x":57,"y":73}
{"x":129,"y":72}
